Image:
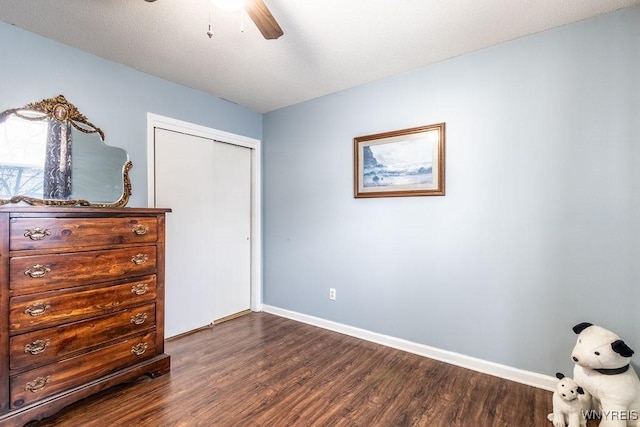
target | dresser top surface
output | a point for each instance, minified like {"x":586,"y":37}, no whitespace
{"x":21,"y":210}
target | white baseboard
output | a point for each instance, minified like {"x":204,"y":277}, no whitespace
{"x":533,"y":379}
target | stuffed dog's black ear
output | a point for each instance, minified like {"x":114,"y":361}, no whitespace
{"x":559,"y":375}
{"x":621,"y":348}
{"x":581,"y":327}
{"x":580,"y":390}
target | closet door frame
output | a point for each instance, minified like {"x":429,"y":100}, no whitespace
{"x":156,"y":121}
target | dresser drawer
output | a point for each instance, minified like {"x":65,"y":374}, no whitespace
{"x":47,"y":345}
{"x":60,"y":233}
{"x":46,"y":309}
{"x":53,"y":271}
{"x":47,"y":380}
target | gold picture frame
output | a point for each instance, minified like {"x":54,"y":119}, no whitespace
{"x":407,"y":162}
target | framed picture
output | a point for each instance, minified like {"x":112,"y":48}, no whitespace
{"x":408,"y":162}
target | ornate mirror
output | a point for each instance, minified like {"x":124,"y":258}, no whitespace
{"x":50,"y":154}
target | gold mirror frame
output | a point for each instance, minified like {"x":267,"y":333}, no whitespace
{"x":60,"y":109}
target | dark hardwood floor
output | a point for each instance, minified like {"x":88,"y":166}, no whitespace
{"x":263,"y":370}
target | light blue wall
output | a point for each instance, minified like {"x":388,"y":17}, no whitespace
{"x":114,"y":97}
{"x":539,"y":226}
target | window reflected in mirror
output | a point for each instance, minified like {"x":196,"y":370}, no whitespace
{"x":23,"y":151}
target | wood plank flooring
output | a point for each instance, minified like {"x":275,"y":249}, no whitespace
{"x":264,"y":370}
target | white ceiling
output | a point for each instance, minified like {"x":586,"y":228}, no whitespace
{"x":328,"y":45}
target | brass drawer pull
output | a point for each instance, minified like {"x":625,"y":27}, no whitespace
{"x":37,"y":271}
{"x":139,"y":349}
{"x":37,"y":233}
{"x":37,"y":384}
{"x":139,"y":318}
{"x":37,"y":309}
{"x":139,"y":288}
{"x":36,"y":347}
{"x":139,"y":229}
{"x":140,"y":259}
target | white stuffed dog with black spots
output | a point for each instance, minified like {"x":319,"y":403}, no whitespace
{"x":602,"y":368}
{"x":569,"y":407}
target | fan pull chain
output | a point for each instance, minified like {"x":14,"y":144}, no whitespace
{"x":241,"y":22}
{"x":210,"y":32}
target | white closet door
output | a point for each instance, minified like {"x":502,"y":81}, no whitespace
{"x":205,"y":264}
{"x":231,"y":229}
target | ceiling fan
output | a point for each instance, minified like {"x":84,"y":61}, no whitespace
{"x":262,"y":17}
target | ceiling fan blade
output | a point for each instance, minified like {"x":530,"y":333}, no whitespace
{"x":264,"y":20}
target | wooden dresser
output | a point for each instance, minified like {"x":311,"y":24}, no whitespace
{"x":81,"y":304}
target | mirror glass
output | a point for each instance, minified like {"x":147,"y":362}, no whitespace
{"x":50,"y":154}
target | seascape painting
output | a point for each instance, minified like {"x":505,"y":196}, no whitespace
{"x":409,"y":162}
{"x":400,"y":163}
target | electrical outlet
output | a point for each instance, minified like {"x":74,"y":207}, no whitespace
{"x":332,"y":294}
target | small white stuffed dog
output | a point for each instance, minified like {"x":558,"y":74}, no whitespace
{"x":602,"y":369}
{"x":568,"y":405}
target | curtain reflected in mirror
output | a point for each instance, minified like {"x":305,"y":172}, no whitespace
{"x":57,"y":163}
{"x":50,"y":154}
